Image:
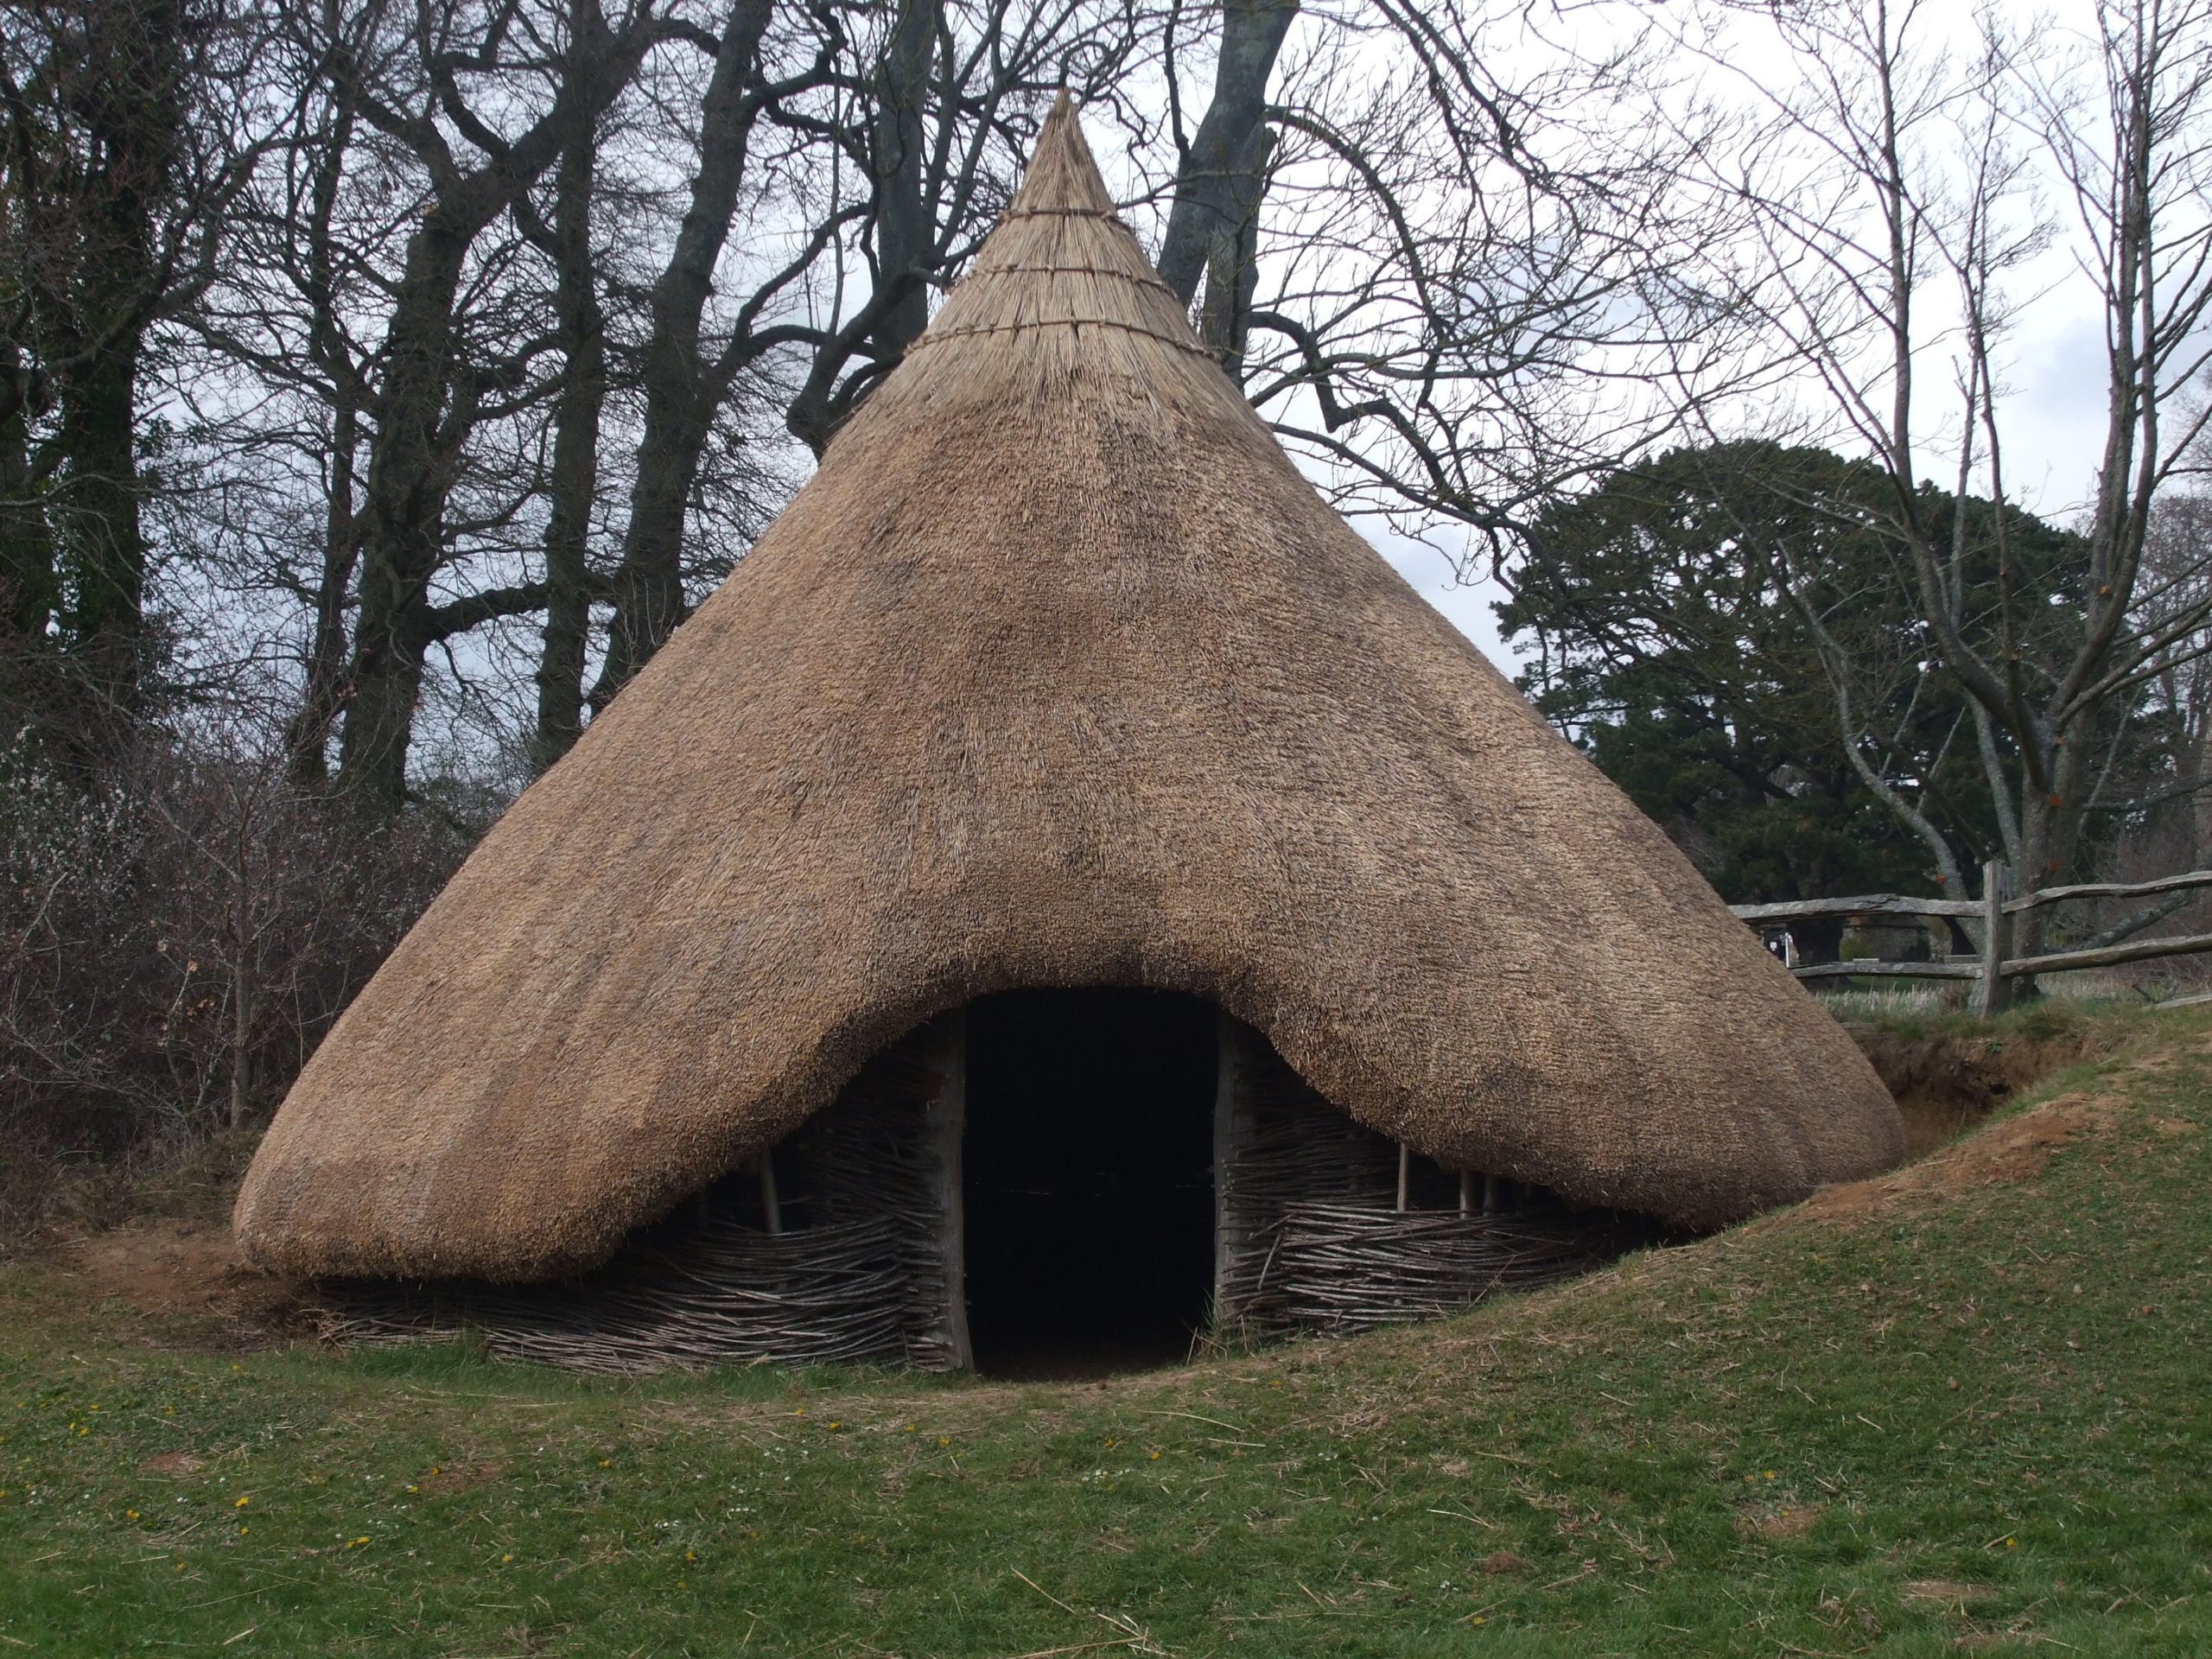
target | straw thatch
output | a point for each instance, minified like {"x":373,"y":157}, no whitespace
{"x":1057,"y":673}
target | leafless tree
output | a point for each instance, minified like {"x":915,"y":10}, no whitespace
{"x":2177,"y":586}
{"x":1901,"y":192}
{"x":124,"y":137}
{"x":527,"y":297}
{"x":898,"y":134}
{"x":1447,"y":251}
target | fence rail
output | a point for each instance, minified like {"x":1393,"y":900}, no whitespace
{"x":1993,"y":967}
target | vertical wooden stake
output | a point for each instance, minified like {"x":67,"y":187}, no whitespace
{"x":1405,"y":1169}
{"x":1231,"y":1226}
{"x":770,"y":1208}
{"x":1991,"y":991}
{"x":1466,"y":1192}
{"x":944,"y":1122}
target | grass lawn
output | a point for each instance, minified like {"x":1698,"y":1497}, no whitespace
{"x":1964,"y":1408}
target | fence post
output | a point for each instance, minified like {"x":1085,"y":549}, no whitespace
{"x":1990,"y":990}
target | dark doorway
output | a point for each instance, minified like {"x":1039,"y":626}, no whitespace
{"x":1088,"y":1178}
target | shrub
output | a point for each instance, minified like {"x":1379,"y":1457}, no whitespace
{"x":177,"y":932}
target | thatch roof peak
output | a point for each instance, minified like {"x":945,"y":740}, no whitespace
{"x":1060,"y":278}
{"x":1063,"y":177}
{"x":1057,"y":673}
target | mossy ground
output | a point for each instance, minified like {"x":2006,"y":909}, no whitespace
{"x":1966,"y":1407}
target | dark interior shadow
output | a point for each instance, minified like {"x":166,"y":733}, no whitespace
{"x":1088,"y":1179}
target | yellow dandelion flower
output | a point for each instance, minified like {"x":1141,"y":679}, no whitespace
{"x":2011,"y":1543}
{"x":944,"y":1439}
{"x":1155,"y":1456}
{"x":243,"y":1501}
{"x":691,"y":1555}
{"x":1768,"y":1473}
{"x":837,"y":1425}
{"x":504,"y":1559}
{"x":914,"y":1429}
{"x":244,"y":1530}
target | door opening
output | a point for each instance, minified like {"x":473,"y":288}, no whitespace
{"x":1087,"y":1179}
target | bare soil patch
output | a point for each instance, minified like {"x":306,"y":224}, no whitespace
{"x":461,"y":1477}
{"x":1946,"y":1083}
{"x":172,"y":1466}
{"x":2014,"y":1151}
{"x":1779,"y":1526}
{"x":185,"y":1273}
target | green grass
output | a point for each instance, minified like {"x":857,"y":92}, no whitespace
{"x":1969,"y":1414}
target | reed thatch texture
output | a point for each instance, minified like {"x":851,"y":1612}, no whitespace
{"x":1057,"y":673}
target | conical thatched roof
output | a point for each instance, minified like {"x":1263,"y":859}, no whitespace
{"x":1057,"y":673}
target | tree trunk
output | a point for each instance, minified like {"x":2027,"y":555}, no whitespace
{"x":1211,"y":188}
{"x":29,"y":590}
{"x":424,"y":416}
{"x":2050,"y":834}
{"x":128,"y":99}
{"x":903,"y":229}
{"x":403,"y":518}
{"x":243,"y":992}
{"x":906,"y":230}
{"x":102,"y":544}
{"x":1233,"y":262}
{"x":575,"y":461}
{"x":307,"y":735}
{"x":682,"y":390}
{"x":2200,"y":803}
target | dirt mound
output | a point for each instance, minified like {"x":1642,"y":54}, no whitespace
{"x":186,"y":1274}
{"x":2015,"y":1150}
{"x":1946,"y":1084}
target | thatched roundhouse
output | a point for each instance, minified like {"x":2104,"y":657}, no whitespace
{"x":1063,"y":872}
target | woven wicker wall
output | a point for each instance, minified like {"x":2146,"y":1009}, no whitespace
{"x":857,"y":1273}
{"x":862,"y":1268}
{"x":1312,"y":1239}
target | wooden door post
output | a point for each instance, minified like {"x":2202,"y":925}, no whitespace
{"x":944,"y":1123}
{"x":1229,"y":1222}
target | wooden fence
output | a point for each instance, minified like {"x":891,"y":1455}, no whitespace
{"x":1993,"y":967}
